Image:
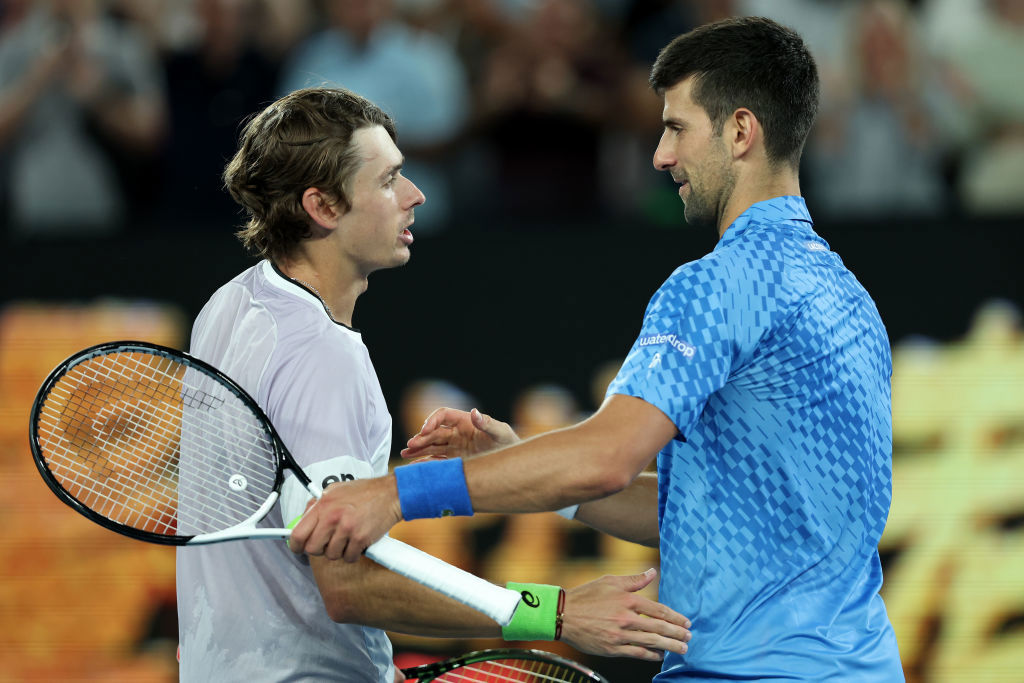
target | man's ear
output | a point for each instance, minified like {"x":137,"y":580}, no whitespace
{"x":744,"y":132}
{"x":323,"y":208}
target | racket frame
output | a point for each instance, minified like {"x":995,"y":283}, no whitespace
{"x":428,"y":672}
{"x":283,"y":459}
{"x":496,"y":602}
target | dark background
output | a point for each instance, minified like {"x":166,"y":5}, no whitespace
{"x":499,"y":310}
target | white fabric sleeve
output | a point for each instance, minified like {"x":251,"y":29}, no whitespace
{"x":295,"y":496}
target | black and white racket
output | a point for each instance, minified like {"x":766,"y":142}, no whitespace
{"x":505,"y":666}
{"x":163,"y":447}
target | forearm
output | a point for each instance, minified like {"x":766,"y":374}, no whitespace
{"x":591,"y":460}
{"x":631,"y":514}
{"x":549,"y":471}
{"x":368,"y":594}
{"x":604,"y":616}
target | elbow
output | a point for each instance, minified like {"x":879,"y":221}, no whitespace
{"x":611,"y":476}
{"x":339,"y":611}
{"x":342,"y":606}
{"x":611,"y":481}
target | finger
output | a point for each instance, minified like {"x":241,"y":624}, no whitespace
{"x":429,"y":430}
{"x":321,"y":537}
{"x":335,"y":548}
{"x":353,"y":551}
{"x":441,"y":416}
{"x":656,"y":633}
{"x":438,"y":450}
{"x":658,"y":611}
{"x":300,"y":534}
{"x":428,"y":458}
{"x":439,"y":435}
{"x":657,"y":643}
{"x":637,"y":652}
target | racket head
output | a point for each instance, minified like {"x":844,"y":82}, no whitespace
{"x":109,"y":426}
{"x":506,"y":665}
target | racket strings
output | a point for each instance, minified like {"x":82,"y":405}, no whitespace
{"x":149,"y":443}
{"x":100,"y":421}
{"x":514,"y":671}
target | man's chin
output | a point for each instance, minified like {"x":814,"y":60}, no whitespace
{"x":698,"y":219}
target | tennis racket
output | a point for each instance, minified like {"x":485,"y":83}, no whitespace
{"x":162,"y":447}
{"x":505,"y":666}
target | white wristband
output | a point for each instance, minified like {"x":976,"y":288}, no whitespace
{"x":569,"y":512}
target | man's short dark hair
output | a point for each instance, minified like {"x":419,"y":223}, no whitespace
{"x":749,"y":62}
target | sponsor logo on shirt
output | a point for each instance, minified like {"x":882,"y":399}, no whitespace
{"x":335,"y":478}
{"x":688,"y":350}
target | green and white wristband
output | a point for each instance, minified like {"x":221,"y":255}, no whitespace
{"x":539,"y":614}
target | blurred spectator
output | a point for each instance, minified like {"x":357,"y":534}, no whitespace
{"x":983,"y":42}
{"x":12,"y":12}
{"x":472,"y":27}
{"x":413,"y":75}
{"x":82,"y":114}
{"x":629,"y":182}
{"x":649,"y":25}
{"x":547,"y":94}
{"x":821,"y":23}
{"x":603,"y":375}
{"x":214,"y":81}
{"x":879,"y":148}
{"x":423,"y":397}
{"x":542,"y":408}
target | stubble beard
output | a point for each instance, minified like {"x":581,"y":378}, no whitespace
{"x":706,"y":203}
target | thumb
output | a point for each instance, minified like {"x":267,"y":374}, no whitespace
{"x":482,"y":422}
{"x":638,"y":582}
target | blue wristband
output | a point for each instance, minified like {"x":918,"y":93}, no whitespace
{"x":436,"y":488}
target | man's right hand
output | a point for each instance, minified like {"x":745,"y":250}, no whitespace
{"x":451,"y":433}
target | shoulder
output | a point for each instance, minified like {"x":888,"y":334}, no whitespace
{"x":706,"y":277}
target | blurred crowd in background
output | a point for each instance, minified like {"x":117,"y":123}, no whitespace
{"x":118,"y":115}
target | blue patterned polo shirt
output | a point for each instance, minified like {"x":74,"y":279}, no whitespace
{"x":771,"y":359}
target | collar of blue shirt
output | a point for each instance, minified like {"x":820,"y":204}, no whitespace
{"x":774,"y":210}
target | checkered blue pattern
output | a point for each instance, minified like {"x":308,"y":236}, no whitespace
{"x":772,"y":361}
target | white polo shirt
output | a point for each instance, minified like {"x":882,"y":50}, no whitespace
{"x":251,"y":610}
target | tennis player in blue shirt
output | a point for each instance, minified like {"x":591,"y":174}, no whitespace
{"x":760,"y":379}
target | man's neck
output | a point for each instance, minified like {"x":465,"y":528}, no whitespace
{"x":337,"y":286}
{"x":749,"y":192}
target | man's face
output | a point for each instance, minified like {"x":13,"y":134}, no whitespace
{"x":696,"y":157}
{"x":376,"y":227}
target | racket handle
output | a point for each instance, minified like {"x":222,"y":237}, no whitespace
{"x":496,"y":602}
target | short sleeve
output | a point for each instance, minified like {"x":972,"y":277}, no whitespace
{"x":685,"y":349}
{"x":317,"y":401}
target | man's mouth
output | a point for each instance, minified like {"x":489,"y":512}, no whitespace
{"x":405,"y":237}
